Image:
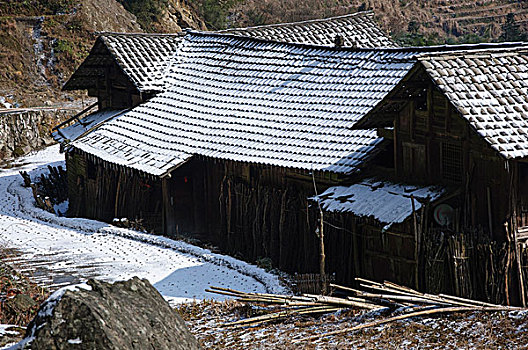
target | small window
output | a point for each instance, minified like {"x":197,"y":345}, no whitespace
{"x":452,"y":162}
{"x":414,"y":161}
{"x":420,"y":102}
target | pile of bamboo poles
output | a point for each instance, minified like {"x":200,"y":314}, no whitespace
{"x":399,"y":302}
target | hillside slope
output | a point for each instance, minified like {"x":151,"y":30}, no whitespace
{"x":437,"y":21}
{"x":43,"y":42}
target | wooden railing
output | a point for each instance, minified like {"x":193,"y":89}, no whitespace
{"x":75,"y":117}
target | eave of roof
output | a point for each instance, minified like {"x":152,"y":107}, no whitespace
{"x":369,"y":14}
{"x":497,"y":117}
{"x":387,"y":202}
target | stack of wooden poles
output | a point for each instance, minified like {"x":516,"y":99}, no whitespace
{"x":395,"y":301}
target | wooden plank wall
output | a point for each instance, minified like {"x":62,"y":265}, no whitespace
{"x":250,"y":212}
{"x":99,"y":190}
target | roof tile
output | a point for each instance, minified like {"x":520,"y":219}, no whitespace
{"x":255,"y":101}
{"x":500,"y":79}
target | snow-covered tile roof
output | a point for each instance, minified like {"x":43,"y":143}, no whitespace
{"x":87,"y":123}
{"x":142,"y":57}
{"x":389,"y":203}
{"x":256,"y":101}
{"x":490,"y":90}
{"x":356,"y":30}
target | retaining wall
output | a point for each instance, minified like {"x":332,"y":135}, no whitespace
{"x":26,"y":130}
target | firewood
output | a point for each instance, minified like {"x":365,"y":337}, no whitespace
{"x":343,"y":302}
{"x":402,"y":317}
{"x":382,"y":296}
{"x":281,"y":314}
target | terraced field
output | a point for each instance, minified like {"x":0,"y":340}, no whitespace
{"x":443,"y":18}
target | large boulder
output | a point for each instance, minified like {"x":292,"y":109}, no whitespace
{"x":123,"y":315}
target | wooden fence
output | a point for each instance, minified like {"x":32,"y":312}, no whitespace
{"x":471,"y":265}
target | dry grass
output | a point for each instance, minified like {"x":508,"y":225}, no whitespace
{"x":15,"y":286}
{"x":500,"y":330}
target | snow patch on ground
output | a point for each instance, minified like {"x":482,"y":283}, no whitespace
{"x":61,"y":208}
{"x":59,"y":251}
{"x":5,"y":329}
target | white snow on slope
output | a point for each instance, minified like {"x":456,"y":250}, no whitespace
{"x":60,"y":251}
{"x":5,"y":329}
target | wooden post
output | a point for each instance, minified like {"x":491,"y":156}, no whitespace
{"x":412,"y":113}
{"x":519,"y":267}
{"x":320,"y":234}
{"x":322,"y":260}
{"x":508,"y":262}
{"x":164,"y":201}
{"x":515,"y":231}
{"x":355,"y":240}
{"x":116,"y":204}
{"x":416,"y":244}
{"x":395,"y":131}
{"x":490,"y":221}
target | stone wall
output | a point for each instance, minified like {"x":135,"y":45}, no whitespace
{"x":24,"y":131}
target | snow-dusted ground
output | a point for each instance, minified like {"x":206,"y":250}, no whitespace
{"x":6,"y":329}
{"x":60,"y":251}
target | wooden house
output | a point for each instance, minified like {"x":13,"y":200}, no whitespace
{"x":353,"y":30}
{"x":459,"y":120}
{"x":249,"y":136}
{"x":230,"y":150}
{"x":122,"y":71}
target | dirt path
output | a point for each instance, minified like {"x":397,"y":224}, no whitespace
{"x":58,"y":251}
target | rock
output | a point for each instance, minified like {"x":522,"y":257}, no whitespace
{"x":20,"y":303}
{"x":123,"y":315}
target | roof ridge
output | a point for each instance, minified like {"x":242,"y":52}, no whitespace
{"x":104,"y":33}
{"x":369,"y":14}
{"x":506,"y":47}
{"x":440,"y":49}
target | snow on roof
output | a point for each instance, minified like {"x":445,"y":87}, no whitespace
{"x":490,"y":90}
{"x":356,"y":30}
{"x":142,"y":57}
{"x":386,"y":202}
{"x":87,"y":123}
{"x":256,"y":101}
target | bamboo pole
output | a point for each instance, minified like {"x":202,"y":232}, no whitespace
{"x":468,"y":301}
{"x":401,"y":317}
{"x":344,"y":302}
{"x":401,"y":288}
{"x":281,"y":314}
{"x":437,"y":298}
{"x":348,"y":289}
{"x":362,"y":280}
